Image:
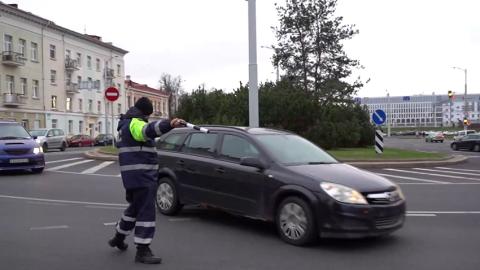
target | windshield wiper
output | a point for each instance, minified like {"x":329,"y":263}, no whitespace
{"x":319,"y":162}
{"x":13,"y":138}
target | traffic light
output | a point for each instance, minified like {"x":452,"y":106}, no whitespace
{"x":450,"y":94}
{"x":466,"y":122}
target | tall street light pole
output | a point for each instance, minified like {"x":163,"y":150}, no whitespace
{"x":252,"y":67}
{"x":465,"y":115}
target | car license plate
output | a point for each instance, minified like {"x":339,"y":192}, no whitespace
{"x":19,"y":160}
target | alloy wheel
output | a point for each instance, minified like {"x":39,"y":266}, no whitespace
{"x":165,"y":196}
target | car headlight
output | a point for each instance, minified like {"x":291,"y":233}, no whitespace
{"x":400,"y":192}
{"x":37,"y":150}
{"x":343,"y":194}
{"x":38,"y":141}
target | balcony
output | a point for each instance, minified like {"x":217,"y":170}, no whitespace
{"x":71,"y":88}
{"x":12,"y":100}
{"x":12,"y":59}
{"x":109,"y":73}
{"x":71,"y":64}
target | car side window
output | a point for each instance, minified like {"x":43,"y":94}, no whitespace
{"x":172,"y":142}
{"x":50,"y":133}
{"x":235,"y":148}
{"x":201,"y":144}
{"x":56,"y":132}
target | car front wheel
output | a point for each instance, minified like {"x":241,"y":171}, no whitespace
{"x":295,"y":222}
{"x":167,"y":197}
{"x":64,"y":146}
{"x":454,"y":147}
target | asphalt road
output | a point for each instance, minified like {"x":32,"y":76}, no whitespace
{"x":63,"y":218}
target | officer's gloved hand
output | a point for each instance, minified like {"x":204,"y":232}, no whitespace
{"x":177,"y":122}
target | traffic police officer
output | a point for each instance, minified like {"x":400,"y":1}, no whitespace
{"x":139,"y":170}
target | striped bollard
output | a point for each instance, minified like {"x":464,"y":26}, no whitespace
{"x":378,"y":141}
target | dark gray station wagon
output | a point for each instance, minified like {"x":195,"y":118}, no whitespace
{"x":275,"y":176}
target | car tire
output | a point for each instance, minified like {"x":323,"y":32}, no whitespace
{"x":45,"y":147}
{"x":476,"y":148}
{"x":167,"y":200}
{"x":295,"y":221}
{"x":64,"y":146}
{"x":454,"y":147}
{"x":37,"y":170}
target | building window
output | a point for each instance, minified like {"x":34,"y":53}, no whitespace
{"x":10,"y":84}
{"x":129,"y":101}
{"x":80,"y":105}
{"x":35,"y":85}
{"x":119,"y":69}
{"x":90,"y":105}
{"x":25,"y":124}
{"x":53,"y":52}
{"x":119,"y":108}
{"x":80,"y":127}
{"x":99,"y":106}
{"x":89,"y":62}
{"x":36,"y":124}
{"x":54,"y":102}
{"x":79,"y":59}
{"x":79,"y":80}
{"x":68,"y":104}
{"x":22,"y":46}
{"x":70,"y":126}
{"x":90,"y":83}
{"x":97,"y":64}
{"x":53,"y":76}
{"x":23,"y":86}
{"x":7,"y":43}
{"x":54,"y":123}
{"x":68,"y":54}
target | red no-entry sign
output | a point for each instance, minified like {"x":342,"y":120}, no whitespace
{"x":112,"y":94}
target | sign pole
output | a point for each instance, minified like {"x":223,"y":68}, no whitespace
{"x":379,"y":117}
{"x":378,"y":141}
{"x":111,"y":94}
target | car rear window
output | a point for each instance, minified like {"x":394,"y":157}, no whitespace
{"x":201,"y":144}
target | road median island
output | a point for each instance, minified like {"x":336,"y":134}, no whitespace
{"x":359,"y":157}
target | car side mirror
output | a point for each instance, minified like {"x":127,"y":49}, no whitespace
{"x":34,"y":137}
{"x":252,"y":162}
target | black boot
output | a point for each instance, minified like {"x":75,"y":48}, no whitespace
{"x":145,"y":255}
{"x":117,"y":241}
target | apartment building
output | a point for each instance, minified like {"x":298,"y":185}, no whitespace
{"x":54,"y":77}
{"x":158,"y":97}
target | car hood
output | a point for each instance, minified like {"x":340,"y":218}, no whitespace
{"x":23,"y":143}
{"x":344,"y":174}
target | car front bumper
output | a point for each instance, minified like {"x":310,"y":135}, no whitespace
{"x":340,"y":220}
{"x":34,"y":162}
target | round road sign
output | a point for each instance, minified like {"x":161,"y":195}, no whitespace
{"x":112,"y":94}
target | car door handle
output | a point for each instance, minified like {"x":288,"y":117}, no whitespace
{"x":220,"y":170}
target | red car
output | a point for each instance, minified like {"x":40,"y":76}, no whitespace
{"x":81,"y":140}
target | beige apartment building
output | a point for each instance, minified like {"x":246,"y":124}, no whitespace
{"x":54,"y":77}
{"x":158,"y":97}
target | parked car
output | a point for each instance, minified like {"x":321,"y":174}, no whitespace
{"x":53,"y":138}
{"x":104,"y":139}
{"x":434,"y":137}
{"x":18,"y":150}
{"x":469,"y":142}
{"x":275,"y":176}
{"x":81,"y":140}
{"x":460,"y":134}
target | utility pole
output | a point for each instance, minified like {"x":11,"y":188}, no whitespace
{"x":465,"y":103}
{"x":252,"y":72}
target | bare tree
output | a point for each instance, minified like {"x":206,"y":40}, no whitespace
{"x":173,"y":87}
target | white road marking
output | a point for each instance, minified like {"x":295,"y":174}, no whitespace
{"x":451,"y":172}
{"x":421,"y":215}
{"x":105,"y":207}
{"x":179,"y":219}
{"x":413,"y":178}
{"x":62,"y":201}
{"x":69,"y":165}
{"x":434,"y":174}
{"x":47,"y":203}
{"x":444,"y":212}
{"x":62,"y":160}
{"x":455,"y":169}
{"x":98,"y":167}
{"x":110,"y":223}
{"x":447,"y":184}
{"x":91,"y":174}
{"x":49,"y":228}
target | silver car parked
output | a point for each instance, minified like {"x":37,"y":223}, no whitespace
{"x":53,"y":138}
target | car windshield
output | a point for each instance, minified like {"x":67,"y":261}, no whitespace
{"x":76,"y":137}
{"x":12,"y":132}
{"x":38,"y":132}
{"x":291,"y":149}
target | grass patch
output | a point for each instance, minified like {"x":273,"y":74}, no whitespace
{"x":109,"y":150}
{"x":368,"y":153}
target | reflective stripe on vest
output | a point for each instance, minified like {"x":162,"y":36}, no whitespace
{"x":134,"y":167}
{"x":136,"y":149}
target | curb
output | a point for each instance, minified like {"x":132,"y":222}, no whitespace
{"x":456,"y":159}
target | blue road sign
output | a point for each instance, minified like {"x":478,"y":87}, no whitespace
{"x":406,"y":98}
{"x":379,"y":117}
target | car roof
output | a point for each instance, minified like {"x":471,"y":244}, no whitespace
{"x":8,"y":122}
{"x":246,"y":130}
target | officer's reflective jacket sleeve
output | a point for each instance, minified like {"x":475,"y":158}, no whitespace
{"x":142,"y":131}
{"x":136,"y":129}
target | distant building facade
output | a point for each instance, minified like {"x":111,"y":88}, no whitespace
{"x":159,"y":98}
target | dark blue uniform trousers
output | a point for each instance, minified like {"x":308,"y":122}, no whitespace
{"x":140,"y":214}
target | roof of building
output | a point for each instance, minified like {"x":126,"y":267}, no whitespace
{"x":143,"y":87}
{"x":14,"y":10}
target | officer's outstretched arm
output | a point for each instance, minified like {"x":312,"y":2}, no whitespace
{"x":142,"y":131}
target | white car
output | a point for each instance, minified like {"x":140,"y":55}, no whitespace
{"x":463,"y":133}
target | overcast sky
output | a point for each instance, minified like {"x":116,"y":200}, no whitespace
{"x":407,"y":47}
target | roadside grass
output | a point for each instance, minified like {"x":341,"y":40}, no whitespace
{"x":109,"y":150}
{"x":368,"y":153}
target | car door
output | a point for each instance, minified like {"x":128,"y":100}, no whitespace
{"x":465,"y":142}
{"x":51,"y":139}
{"x":238,"y":187}
{"x":194,"y":167}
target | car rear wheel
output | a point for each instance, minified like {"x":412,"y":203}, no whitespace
{"x":476,"y":148}
{"x":64,"y":146}
{"x":295,"y":222}
{"x":454,"y":147}
{"x":45,"y":147}
{"x":167,"y":197}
